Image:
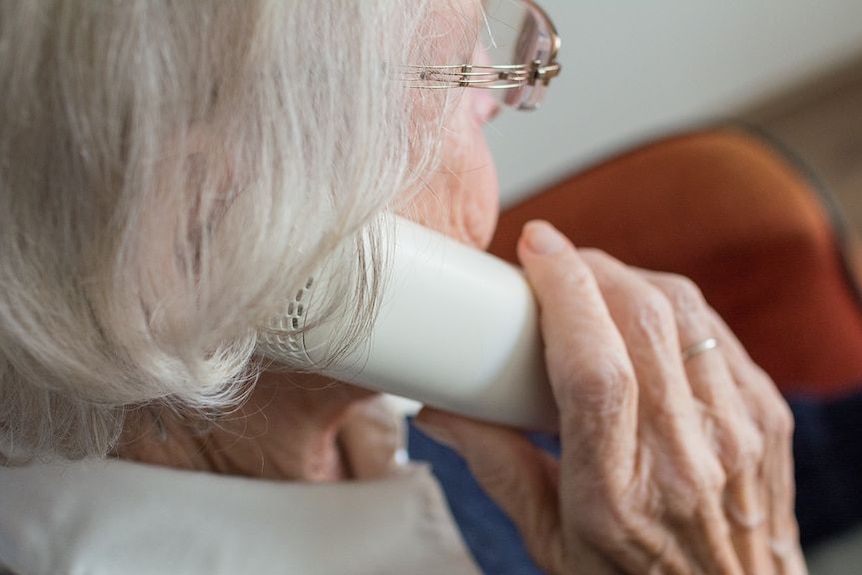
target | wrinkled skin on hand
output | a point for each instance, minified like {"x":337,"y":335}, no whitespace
{"x":668,"y":465}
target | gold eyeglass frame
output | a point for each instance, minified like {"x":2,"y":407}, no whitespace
{"x":504,"y":77}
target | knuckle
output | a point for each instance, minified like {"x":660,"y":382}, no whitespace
{"x":747,"y":450}
{"x":655,"y":317}
{"x":607,"y":381}
{"x":713,"y":478}
{"x":752,"y":444}
{"x":740,"y":442}
{"x":576,"y":277}
{"x":683,"y":294}
{"x":693,"y":482}
{"x":780,"y":422}
{"x":709,"y":479}
{"x":561,"y":289}
{"x":566,"y":280}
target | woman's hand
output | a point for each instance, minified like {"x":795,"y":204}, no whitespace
{"x":669,"y":465}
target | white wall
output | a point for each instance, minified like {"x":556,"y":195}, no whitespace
{"x":638,"y":67}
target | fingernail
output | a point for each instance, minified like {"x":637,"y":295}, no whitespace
{"x":438,"y":434}
{"x":543,"y":238}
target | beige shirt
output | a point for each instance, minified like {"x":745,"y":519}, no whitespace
{"x":113,"y":517}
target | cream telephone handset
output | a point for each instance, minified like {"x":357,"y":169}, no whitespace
{"x":457,"y":329}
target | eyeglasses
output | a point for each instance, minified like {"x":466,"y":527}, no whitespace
{"x":517,"y":57}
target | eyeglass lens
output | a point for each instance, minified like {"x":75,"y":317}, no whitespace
{"x":516,"y":32}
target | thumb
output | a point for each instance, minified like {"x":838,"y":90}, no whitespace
{"x":522,"y":479}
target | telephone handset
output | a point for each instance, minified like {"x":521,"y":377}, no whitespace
{"x":457,"y":329}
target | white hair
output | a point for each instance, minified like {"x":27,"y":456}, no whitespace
{"x":170,"y":172}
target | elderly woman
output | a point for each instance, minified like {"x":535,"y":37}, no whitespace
{"x":169,"y":171}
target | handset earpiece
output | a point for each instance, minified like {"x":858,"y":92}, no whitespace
{"x":457,"y":329}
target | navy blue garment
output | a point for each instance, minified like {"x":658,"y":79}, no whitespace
{"x":489,"y":534}
{"x":827,"y":450}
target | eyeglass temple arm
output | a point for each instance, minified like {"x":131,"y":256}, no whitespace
{"x":545,"y":73}
{"x":466,"y":75}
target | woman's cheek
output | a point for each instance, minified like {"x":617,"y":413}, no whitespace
{"x":480,"y":191}
{"x":462,"y":199}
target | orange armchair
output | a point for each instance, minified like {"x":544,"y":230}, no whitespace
{"x":730,"y":210}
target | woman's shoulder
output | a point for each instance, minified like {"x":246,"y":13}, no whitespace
{"x":109,"y":516}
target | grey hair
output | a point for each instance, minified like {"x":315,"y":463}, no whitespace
{"x":170,"y":172}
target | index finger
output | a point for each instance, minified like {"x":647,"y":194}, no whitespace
{"x":590,"y":371}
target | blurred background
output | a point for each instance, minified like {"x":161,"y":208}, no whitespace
{"x":634,"y":71}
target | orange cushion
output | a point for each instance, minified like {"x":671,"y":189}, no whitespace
{"x":727,"y":210}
